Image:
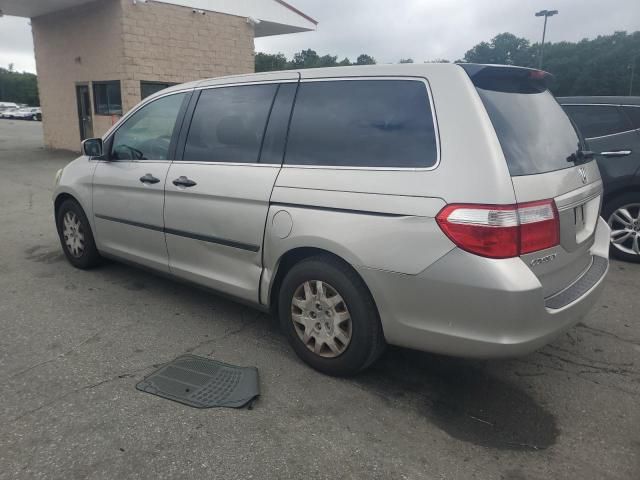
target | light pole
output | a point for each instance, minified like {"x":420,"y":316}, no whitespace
{"x":633,"y":71}
{"x":546,"y":14}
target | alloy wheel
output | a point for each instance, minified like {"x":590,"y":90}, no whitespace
{"x":73,"y":234}
{"x":625,"y":229}
{"x":321,"y":318}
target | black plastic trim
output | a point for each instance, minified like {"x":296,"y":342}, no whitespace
{"x":180,"y":233}
{"x":132,"y":223}
{"x":345,"y":210}
{"x":585,"y":283}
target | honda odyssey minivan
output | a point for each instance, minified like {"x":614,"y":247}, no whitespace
{"x":440,"y":207}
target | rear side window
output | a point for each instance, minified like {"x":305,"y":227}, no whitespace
{"x":362,"y":123}
{"x":228,"y":124}
{"x":598,"y":120}
{"x":634,"y":115}
{"x":534,"y":131}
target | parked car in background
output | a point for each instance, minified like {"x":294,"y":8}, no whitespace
{"x":428,"y":206}
{"x":9,"y":112}
{"x":7,"y":105}
{"x":611,"y":128}
{"x":29,"y":113}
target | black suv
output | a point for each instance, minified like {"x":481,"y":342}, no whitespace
{"x":611,"y":127}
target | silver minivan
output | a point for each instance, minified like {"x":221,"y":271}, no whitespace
{"x":441,"y":207}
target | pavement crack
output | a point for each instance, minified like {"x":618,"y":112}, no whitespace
{"x":604,"y":333}
{"x":57,"y":357}
{"x":91,"y":386}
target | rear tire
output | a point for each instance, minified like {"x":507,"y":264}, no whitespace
{"x":622,"y":213}
{"x":76,"y":236}
{"x":337,"y":330}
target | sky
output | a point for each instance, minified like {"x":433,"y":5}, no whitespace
{"x":390,"y":30}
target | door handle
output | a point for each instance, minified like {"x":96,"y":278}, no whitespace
{"x":148,"y":178}
{"x":184,"y":182}
{"x":616,"y":153}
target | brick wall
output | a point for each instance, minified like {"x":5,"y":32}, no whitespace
{"x":120,"y":40}
{"x":74,"y":46}
{"x":169,"y":43}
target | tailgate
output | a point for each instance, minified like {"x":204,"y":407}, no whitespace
{"x":547,"y":161}
{"x":578,"y":208}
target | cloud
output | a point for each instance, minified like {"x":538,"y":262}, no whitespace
{"x":16,"y":44}
{"x":425,"y":30}
{"x":420,"y":29}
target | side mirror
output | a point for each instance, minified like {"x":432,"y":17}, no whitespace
{"x":92,"y":147}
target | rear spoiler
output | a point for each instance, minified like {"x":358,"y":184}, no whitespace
{"x":506,"y":78}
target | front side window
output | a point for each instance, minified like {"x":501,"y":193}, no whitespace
{"x":107,"y":98}
{"x":146,"y":135}
{"x":228,"y":124}
{"x":362,"y":123}
{"x":598,"y":120}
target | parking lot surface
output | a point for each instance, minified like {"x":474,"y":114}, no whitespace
{"x":73,"y":344}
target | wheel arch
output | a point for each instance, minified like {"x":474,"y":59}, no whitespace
{"x":60,"y":198}
{"x":290,"y":258}
{"x":610,"y":197}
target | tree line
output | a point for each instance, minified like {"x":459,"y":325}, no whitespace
{"x":606,"y":65}
{"x":18,"y":87}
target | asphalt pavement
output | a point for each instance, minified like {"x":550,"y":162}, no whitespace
{"x":73,"y":344}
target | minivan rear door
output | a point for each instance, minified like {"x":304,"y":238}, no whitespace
{"x":217,"y":193}
{"x":547,"y":160}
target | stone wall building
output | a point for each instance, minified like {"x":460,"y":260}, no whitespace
{"x":97,"y":59}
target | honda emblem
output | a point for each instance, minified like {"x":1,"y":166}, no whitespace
{"x":583,"y":174}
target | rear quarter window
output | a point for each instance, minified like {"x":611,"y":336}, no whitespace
{"x":362,"y":123}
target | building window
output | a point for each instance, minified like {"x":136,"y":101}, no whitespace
{"x":149,"y":88}
{"x":107,"y":98}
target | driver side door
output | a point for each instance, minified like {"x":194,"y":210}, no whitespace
{"x":128,"y":185}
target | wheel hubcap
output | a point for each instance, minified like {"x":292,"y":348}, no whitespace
{"x":321,"y":318}
{"x":625,"y":229}
{"x":73,"y":234}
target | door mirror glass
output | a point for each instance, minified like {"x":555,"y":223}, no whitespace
{"x":92,"y":147}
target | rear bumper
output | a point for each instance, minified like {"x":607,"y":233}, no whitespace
{"x":470,"y":306}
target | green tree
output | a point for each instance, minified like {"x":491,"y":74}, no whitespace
{"x":600,"y":66}
{"x":18,"y":87}
{"x":504,"y":49}
{"x":406,"y":60}
{"x":305,"y":59}
{"x":365,"y":59}
{"x":267,"y":62}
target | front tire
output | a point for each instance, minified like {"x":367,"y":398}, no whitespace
{"x":622,"y":213}
{"x":76,"y":236}
{"x":329,"y":316}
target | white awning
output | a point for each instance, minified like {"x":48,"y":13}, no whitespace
{"x":276,"y":17}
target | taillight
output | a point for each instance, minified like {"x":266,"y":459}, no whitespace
{"x":502,"y":231}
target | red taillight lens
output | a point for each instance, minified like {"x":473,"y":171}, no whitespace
{"x":501,"y":231}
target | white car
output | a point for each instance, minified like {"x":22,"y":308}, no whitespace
{"x":29,"y":113}
{"x":9,"y":112}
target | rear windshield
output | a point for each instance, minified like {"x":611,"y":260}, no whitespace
{"x":535,"y":133}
